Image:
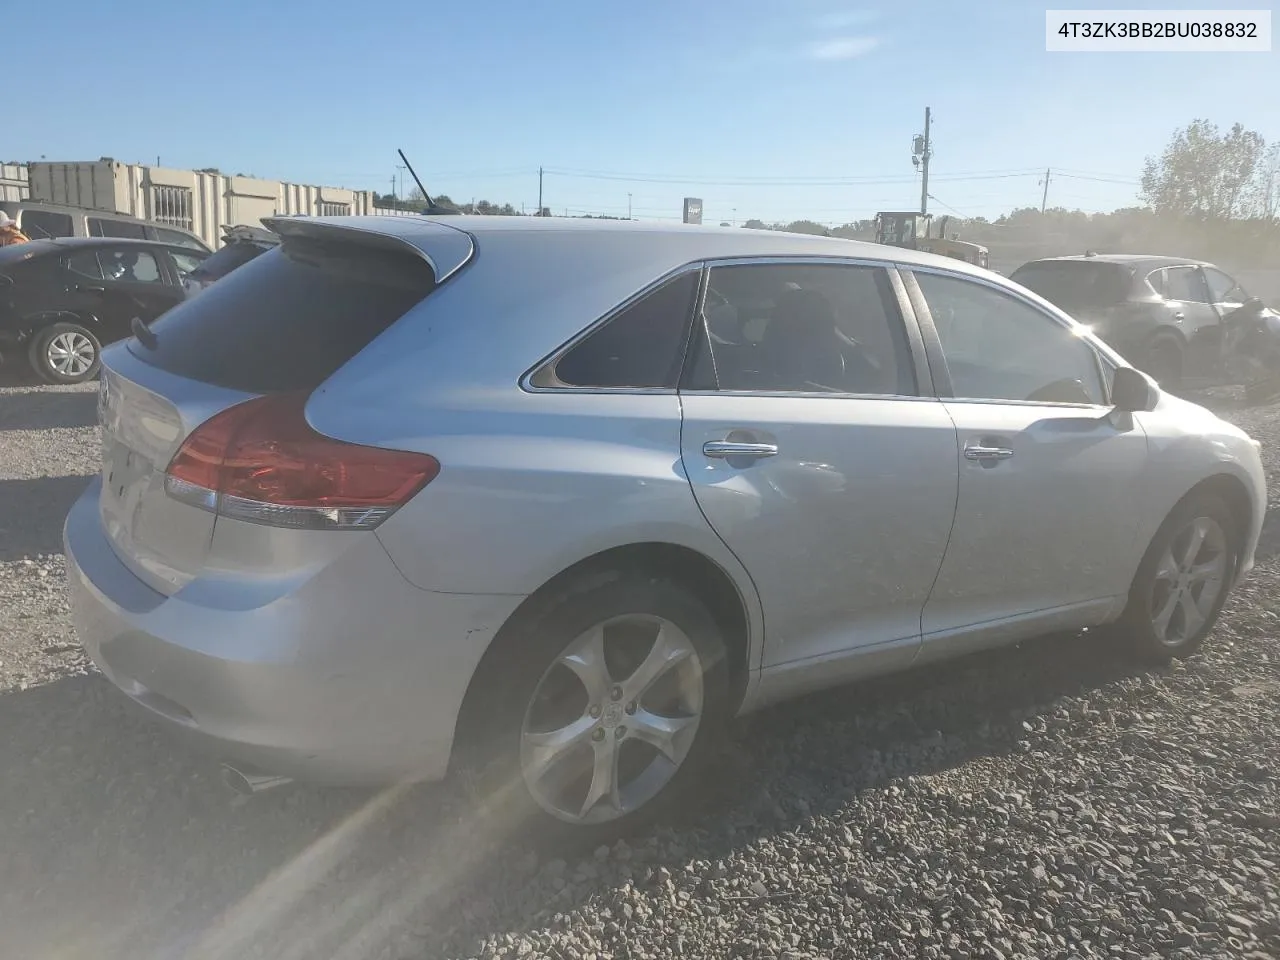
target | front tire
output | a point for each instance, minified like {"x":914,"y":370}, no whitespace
{"x":607,"y":706}
{"x":1183,"y":580}
{"x":65,"y":352}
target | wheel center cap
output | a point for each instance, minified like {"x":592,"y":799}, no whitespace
{"x":612,"y":715}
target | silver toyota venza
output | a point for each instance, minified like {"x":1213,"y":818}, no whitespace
{"x":565,"y":496}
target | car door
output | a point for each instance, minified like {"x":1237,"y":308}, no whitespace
{"x":136,"y":283}
{"x":819,"y":456}
{"x":1050,"y":476}
{"x":1187,"y":293}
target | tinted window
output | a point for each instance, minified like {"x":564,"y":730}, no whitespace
{"x":290,"y":318}
{"x":803,"y":328}
{"x":179,"y":238}
{"x":130,"y":266}
{"x":1185,"y":284}
{"x":44,"y":224}
{"x":1075,"y":284}
{"x":1000,"y":348}
{"x":124,"y":229}
{"x":85,"y":263}
{"x":225,"y":260}
{"x":640,"y":347}
{"x":1222,"y":288}
{"x":20,"y":252}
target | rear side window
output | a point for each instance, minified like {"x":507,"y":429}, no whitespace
{"x":642,"y":346}
{"x":86,"y":264}
{"x":44,"y":224}
{"x":123,"y":229}
{"x":290,"y":318}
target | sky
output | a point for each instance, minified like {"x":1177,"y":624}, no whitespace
{"x":777,"y":111}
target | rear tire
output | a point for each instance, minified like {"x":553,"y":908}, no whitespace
{"x":1183,"y":581}
{"x":581,"y":755}
{"x":1163,"y":362}
{"x":65,"y":352}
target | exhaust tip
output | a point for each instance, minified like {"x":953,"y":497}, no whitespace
{"x":246,"y":784}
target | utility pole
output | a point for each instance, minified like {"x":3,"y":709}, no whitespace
{"x":628,"y":206}
{"x":1044,"y":198}
{"x":924,"y":165}
{"x":539,"y":191}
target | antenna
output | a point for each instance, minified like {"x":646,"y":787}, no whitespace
{"x":408,"y":166}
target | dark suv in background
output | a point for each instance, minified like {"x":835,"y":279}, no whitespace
{"x":1163,"y":313}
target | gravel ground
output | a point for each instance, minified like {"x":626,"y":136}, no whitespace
{"x":1050,"y":801}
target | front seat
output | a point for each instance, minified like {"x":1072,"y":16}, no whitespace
{"x":801,"y":345}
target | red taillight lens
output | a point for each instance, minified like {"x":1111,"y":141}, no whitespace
{"x":260,"y":461}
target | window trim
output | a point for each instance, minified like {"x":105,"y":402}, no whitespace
{"x":1151,"y":286}
{"x":545,"y":368}
{"x":916,"y":348}
{"x":925,"y":318}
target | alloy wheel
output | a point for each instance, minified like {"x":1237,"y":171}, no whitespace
{"x":612,"y":720}
{"x":1189,"y":580}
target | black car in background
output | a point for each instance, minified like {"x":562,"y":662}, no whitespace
{"x":1162,"y":313}
{"x":61,"y":300}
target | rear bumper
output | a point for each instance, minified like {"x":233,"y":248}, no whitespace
{"x":354,"y":676}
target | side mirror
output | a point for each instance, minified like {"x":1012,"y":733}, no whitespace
{"x":1254,"y":303}
{"x":1131,"y":391}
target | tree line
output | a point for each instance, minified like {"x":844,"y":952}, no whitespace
{"x":1209,"y":193}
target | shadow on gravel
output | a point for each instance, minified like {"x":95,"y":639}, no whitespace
{"x":119,"y":842}
{"x":48,"y":409}
{"x":31,"y":515}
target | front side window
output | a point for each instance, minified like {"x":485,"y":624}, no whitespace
{"x":1222,"y":288}
{"x":642,"y":346}
{"x":178,"y":238}
{"x":1186,"y":285}
{"x":1000,"y":348}
{"x":185,"y":262}
{"x":131,"y":266}
{"x":803,"y":328}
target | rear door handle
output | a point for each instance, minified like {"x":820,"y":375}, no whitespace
{"x":983,"y":454}
{"x":723,"y":449}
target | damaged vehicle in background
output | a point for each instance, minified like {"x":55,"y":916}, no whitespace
{"x":1184,"y":322}
{"x":241,"y":244}
{"x":557,"y":499}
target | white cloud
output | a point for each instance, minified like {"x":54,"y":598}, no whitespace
{"x":842,"y":48}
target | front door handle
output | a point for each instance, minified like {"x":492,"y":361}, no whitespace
{"x":984,"y":454}
{"x":724,"y":449}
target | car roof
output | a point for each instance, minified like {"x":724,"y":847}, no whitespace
{"x":1154,"y":261}
{"x":78,"y":242}
{"x":694,"y":241}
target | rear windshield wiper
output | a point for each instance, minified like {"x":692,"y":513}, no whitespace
{"x":144,"y":333}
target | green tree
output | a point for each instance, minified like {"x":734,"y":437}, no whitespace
{"x":1205,"y":174}
{"x":806,"y":226}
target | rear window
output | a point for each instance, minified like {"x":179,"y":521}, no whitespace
{"x":1072,"y":284}
{"x":290,"y":318}
{"x":225,"y":260}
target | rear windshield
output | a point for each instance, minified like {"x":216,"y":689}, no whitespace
{"x":1071,"y":284}
{"x":18,"y":252}
{"x":288,"y":319}
{"x":225,"y":260}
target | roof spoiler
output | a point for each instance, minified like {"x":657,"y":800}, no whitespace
{"x":446,"y":249}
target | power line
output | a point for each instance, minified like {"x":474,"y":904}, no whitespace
{"x":786,"y":182}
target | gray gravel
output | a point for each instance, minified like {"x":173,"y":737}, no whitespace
{"x":1051,"y":801}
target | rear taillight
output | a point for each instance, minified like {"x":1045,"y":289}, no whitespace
{"x":260,"y":461}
